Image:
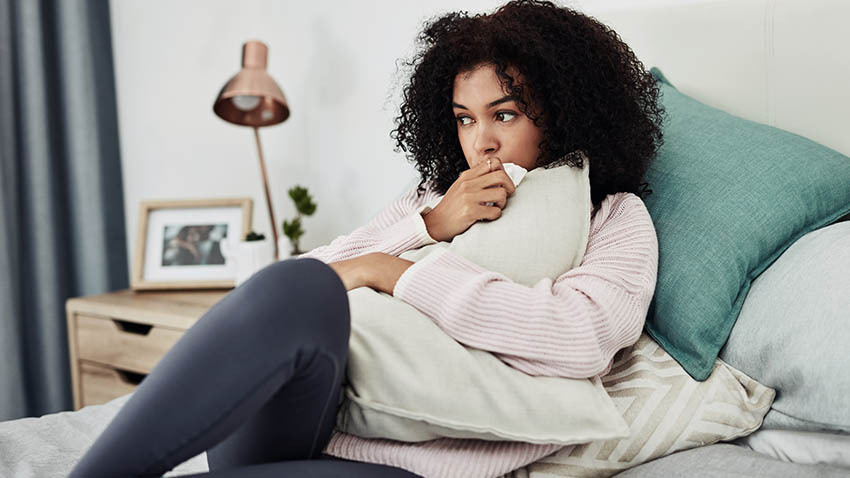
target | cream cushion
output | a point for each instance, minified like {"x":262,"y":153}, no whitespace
{"x":542,"y":232}
{"x":408,"y":380}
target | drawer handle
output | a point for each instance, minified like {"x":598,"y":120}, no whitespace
{"x":133,"y":327}
{"x":132,"y":378}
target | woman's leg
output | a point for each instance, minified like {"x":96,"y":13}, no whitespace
{"x":259,"y":374}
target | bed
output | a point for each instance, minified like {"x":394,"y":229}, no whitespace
{"x":49,"y":446}
{"x":779,"y":63}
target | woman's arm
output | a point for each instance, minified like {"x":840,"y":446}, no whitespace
{"x":569,"y":328}
{"x":394,"y":230}
{"x":377,"y":270}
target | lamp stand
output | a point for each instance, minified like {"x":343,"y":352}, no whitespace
{"x":268,"y":196}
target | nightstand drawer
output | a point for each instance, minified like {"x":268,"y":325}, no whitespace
{"x":101,"y":384}
{"x":118,"y":337}
{"x":123,"y":344}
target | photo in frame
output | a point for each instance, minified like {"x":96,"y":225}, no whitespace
{"x":179,"y":243}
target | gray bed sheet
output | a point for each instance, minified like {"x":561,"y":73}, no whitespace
{"x":49,"y":446}
{"x":724,"y":460}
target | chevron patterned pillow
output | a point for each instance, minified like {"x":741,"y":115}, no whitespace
{"x":667,"y":411}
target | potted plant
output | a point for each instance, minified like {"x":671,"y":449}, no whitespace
{"x":254,"y":236}
{"x":248,"y":255}
{"x":304,"y":206}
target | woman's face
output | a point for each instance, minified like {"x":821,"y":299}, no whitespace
{"x":489,"y":123}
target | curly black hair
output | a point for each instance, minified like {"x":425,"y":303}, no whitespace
{"x":596,"y":96}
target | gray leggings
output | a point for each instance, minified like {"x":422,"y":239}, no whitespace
{"x":255,"y":382}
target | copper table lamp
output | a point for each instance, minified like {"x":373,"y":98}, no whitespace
{"x":252,"y":98}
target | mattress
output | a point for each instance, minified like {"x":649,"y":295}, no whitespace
{"x":49,"y":446}
{"x":724,"y":460}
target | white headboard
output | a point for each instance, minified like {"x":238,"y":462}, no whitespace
{"x":785,"y":63}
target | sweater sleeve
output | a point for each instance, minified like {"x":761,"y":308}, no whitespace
{"x":569,"y":328}
{"x":396,"y":229}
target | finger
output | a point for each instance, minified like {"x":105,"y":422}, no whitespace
{"x":487,"y":166}
{"x":496,"y":165}
{"x":488,"y":212}
{"x":496,"y":195}
{"x":494,"y":179}
{"x":508,"y":183}
{"x":481,"y":169}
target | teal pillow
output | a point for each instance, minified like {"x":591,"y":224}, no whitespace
{"x":729,"y":196}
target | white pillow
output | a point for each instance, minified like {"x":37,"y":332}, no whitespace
{"x":797,"y":446}
{"x":408,"y":380}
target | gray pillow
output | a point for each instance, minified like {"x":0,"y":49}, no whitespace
{"x":793,"y":331}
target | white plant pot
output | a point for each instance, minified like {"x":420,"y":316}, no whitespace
{"x":248,"y":257}
{"x":284,"y":248}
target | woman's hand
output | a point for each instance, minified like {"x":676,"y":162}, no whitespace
{"x":377,"y":270}
{"x":352,"y":272}
{"x":464,"y":203}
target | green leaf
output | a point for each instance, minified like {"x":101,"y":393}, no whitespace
{"x":303,"y":201}
{"x":306,"y":207}
{"x":292,"y":229}
{"x":298,"y":193}
{"x":253,"y":236}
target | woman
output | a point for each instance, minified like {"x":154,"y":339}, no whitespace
{"x":182,"y":249}
{"x":256,"y":381}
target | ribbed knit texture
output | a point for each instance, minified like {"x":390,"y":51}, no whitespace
{"x":571,"y":327}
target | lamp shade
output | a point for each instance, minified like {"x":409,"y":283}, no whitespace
{"x":251,"y":97}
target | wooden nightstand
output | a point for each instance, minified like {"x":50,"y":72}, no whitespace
{"x":115,"y":339}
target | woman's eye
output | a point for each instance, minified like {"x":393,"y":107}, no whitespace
{"x":505,"y":116}
{"x":464,"y":120}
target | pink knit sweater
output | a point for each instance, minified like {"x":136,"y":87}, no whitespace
{"x":571,"y":327}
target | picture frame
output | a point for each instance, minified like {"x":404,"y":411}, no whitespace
{"x":178,"y":243}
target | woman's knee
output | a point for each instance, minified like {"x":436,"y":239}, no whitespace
{"x":304,"y":290}
{"x":303,"y":274}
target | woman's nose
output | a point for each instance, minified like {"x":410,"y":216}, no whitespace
{"x":485,"y":141}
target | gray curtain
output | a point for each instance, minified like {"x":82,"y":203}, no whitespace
{"x":61,"y":203}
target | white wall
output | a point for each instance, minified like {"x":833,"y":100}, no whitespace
{"x":336,"y":63}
